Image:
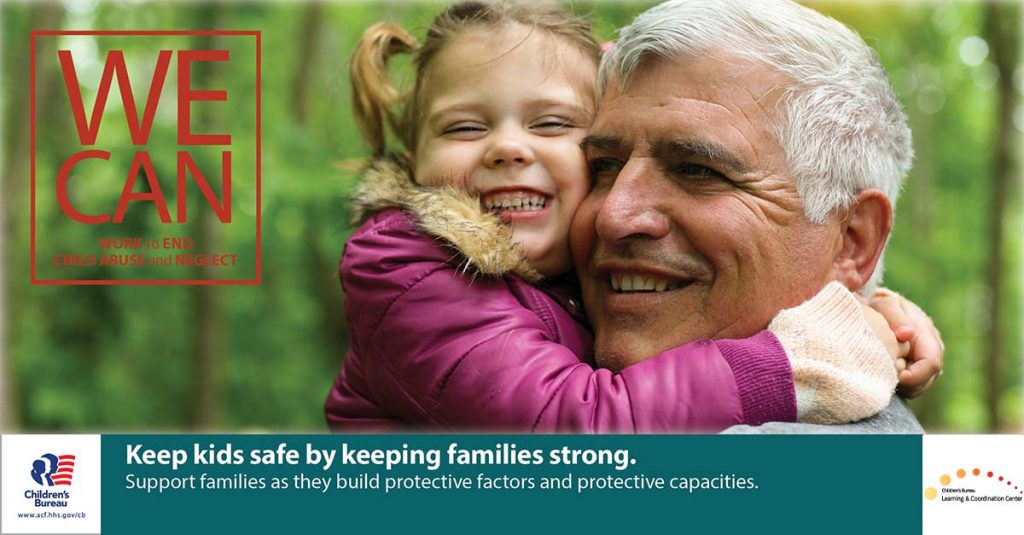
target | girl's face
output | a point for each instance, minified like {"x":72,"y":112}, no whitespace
{"x":503,"y":116}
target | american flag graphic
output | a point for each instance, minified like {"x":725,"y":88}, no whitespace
{"x":65,"y":470}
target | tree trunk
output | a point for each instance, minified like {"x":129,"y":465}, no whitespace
{"x":323,"y":284}
{"x":208,"y":344}
{"x":1002,"y":44}
{"x":13,"y":182}
{"x":312,"y":22}
{"x":323,"y":280}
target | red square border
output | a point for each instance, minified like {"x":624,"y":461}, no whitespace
{"x":259,"y":141}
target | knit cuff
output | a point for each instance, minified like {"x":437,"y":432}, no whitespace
{"x":834,"y":310}
{"x":841,"y":371}
{"x":763,"y":376}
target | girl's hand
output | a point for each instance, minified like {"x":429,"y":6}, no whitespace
{"x":883,"y":331}
{"x":923,"y":362}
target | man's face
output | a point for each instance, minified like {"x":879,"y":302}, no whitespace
{"x":693,"y":228}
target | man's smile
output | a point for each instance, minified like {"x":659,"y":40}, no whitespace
{"x":624,"y":282}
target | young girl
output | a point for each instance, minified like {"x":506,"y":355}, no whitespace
{"x":459,"y":285}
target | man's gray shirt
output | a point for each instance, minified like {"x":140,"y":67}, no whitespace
{"x":895,"y":419}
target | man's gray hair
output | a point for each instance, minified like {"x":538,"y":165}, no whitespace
{"x":840,"y":126}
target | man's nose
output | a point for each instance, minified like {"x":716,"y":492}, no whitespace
{"x":509,"y":147}
{"x":633,"y":208}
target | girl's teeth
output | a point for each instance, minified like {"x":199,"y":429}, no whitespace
{"x":515,"y":203}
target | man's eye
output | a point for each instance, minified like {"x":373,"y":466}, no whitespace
{"x":693,"y":171}
{"x":603,"y":170}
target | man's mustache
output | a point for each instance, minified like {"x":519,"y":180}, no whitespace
{"x":654,"y":256}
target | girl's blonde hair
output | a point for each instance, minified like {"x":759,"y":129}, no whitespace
{"x":377,"y":105}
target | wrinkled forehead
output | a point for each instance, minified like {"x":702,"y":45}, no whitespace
{"x":696,"y":96}
{"x":719,"y":110}
{"x":709,"y":72}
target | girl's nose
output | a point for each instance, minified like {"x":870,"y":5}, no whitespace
{"x":508,"y":150}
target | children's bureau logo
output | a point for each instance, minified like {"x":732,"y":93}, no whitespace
{"x":50,"y":483}
{"x":156,"y":181}
{"x":50,"y":470}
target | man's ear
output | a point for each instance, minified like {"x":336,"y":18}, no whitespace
{"x":864,"y":231}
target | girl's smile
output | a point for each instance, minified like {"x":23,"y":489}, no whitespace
{"x":504,"y":116}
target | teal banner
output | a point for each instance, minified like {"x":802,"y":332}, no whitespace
{"x":509,"y":483}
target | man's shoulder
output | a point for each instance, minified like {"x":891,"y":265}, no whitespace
{"x":895,"y":419}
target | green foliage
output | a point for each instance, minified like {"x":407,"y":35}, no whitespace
{"x":122,"y":358}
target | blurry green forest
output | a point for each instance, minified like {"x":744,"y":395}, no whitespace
{"x":245,"y":358}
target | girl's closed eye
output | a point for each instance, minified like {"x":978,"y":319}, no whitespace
{"x":466,"y":130}
{"x":552,"y":125}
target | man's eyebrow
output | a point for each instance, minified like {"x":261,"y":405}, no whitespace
{"x":701,"y":150}
{"x":603,"y":143}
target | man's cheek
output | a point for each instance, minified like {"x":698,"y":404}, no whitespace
{"x":581,"y":233}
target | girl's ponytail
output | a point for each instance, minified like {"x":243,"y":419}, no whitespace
{"x":375,"y":100}
{"x":373,"y":96}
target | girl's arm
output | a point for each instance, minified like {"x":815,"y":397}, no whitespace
{"x":842,"y":369}
{"x":434,"y":347}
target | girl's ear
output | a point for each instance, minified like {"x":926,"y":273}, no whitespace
{"x":865,"y":232}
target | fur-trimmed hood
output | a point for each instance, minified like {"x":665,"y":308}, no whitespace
{"x":446,"y":213}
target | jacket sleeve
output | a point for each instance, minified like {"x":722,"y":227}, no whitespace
{"x":841,"y":370}
{"x":439,"y":348}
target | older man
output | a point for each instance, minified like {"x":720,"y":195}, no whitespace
{"x":693,"y":195}
{"x":749,"y":150}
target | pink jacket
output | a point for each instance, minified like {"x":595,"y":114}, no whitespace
{"x":442,"y":337}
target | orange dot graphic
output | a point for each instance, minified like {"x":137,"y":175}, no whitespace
{"x":944,"y":480}
{"x":976,"y":471}
{"x":961,"y":473}
{"x":930,"y":493}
